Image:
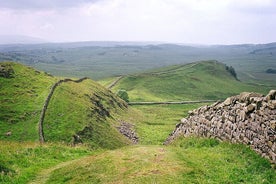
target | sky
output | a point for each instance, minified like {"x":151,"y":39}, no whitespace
{"x":174,"y":21}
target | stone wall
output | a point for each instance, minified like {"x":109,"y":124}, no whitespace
{"x":248,"y":118}
{"x":46,"y":103}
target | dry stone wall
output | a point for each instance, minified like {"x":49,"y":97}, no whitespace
{"x":248,"y":118}
{"x":46,"y":103}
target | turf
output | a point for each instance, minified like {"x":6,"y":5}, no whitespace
{"x":192,"y":160}
{"x":208,"y":80}
{"x":153,"y":123}
{"x":21,"y":100}
{"x":20,"y":162}
{"x":84,"y":109}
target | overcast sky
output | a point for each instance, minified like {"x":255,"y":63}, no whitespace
{"x":178,"y":21}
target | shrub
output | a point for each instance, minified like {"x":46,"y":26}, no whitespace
{"x":232,"y":71}
{"x":123,"y":95}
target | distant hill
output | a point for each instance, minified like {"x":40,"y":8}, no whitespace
{"x":99,"y":60}
{"x":19,"y":39}
{"x":207,"y":80}
{"x":84,"y":109}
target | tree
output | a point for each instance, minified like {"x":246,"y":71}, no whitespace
{"x":232,"y":71}
{"x":123,"y":95}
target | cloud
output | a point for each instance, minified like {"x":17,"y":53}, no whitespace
{"x":188,"y":21}
{"x":256,"y":7}
{"x":41,"y":4}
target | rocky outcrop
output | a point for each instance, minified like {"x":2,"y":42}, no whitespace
{"x":46,"y":103}
{"x":127,"y":130}
{"x":248,"y":118}
{"x":6,"y":71}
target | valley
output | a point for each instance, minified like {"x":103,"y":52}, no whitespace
{"x":93,"y":113}
{"x":137,"y":92}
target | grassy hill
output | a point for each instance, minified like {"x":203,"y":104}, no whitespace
{"x":21,"y":99}
{"x":195,"y":81}
{"x":92,"y":112}
{"x":85,"y":109}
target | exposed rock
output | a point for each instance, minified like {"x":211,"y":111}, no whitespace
{"x":271,"y":95}
{"x":9,"y":133}
{"x":250,"y":108}
{"x":248,"y":118}
{"x":76,"y":139}
{"x":6,"y":71}
{"x":127,"y":130}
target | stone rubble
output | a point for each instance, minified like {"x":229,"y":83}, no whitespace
{"x":248,"y":118}
{"x":127,"y":130}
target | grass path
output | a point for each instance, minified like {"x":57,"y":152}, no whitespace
{"x":133,"y":164}
{"x":44,"y":175}
{"x":189,"y":161}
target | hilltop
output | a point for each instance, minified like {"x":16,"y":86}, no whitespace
{"x":85,"y":110}
{"x":205,"y":80}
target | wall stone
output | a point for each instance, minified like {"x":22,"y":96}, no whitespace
{"x":46,"y":103}
{"x":248,"y":118}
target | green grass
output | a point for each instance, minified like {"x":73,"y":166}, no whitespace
{"x":196,"y":81}
{"x":91,"y":111}
{"x":21,"y":100}
{"x":107,"y":81}
{"x":24,"y":160}
{"x":86,"y":109}
{"x":156,"y":121}
{"x":192,"y":160}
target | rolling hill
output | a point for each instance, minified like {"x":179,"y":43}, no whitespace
{"x":99,"y":60}
{"x":86,"y":109}
{"x":205,"y":80}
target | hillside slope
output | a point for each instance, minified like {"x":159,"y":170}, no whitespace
{"x":86,"y":110}
{"x":22,"y":95}
{"x":206,"y":80}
